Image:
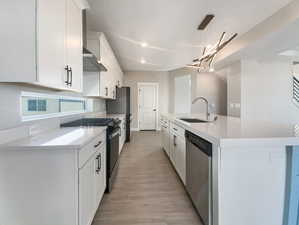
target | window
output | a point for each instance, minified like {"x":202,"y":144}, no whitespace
{"x":36,"y":106}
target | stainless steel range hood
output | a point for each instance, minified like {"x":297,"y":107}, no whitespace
{"x":90,"y":62}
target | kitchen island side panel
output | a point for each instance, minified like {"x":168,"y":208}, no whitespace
{"x":252,"y":186}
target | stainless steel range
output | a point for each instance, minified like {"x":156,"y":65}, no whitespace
{"x":113,"y":133}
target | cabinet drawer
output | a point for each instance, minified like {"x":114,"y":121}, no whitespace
{"x":177,"y":130}
{"x":86,"y":152}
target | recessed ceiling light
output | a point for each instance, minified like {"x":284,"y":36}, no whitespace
{"x":144,"y":44}
{"x":143,"y":61}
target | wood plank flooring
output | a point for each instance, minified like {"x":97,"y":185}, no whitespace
{"x":147,"y":190}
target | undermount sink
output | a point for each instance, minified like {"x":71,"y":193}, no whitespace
{"x":193,"y":120}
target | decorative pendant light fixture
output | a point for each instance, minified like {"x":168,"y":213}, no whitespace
{"x":205,"y":62}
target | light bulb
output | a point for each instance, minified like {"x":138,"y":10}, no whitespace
{"x":144,"y":44}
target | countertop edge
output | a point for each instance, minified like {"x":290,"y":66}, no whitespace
{"x":75,"y":147}
{"x":223,"y":142}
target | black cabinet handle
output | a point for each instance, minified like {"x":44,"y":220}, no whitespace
{"x":99,"y":159}
{"x":67,"y":82}
{"x":71,"y":80}
{"x":106,"y":91}
{"x":174,"y":140}
{"x":98,"y":144}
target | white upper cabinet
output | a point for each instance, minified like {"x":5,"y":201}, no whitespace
{"x":50,"y":43}
{"x":18,"y":54}
{"x":105,"y":81}
{"x":74,"y":45}
{"x":45,"y":45}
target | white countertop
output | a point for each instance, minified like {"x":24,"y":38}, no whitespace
{"x":61,"y":138}
{"x":231,"y":131}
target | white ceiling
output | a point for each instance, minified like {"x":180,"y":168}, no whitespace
{"x":170,"y":27}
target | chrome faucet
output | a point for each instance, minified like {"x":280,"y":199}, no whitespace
{"x":207,"y":104}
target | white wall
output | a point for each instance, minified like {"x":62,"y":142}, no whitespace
{"x":233,"y":76}
{"x":182,"y":94}
{"x":266,"y":92}
{"x":209,"y":85}
{"x":132,"y":78}
{"x":180,"y":73}
{"x":257,"y":37}
{"x":10,"y":104}
{"x":213,"y":87}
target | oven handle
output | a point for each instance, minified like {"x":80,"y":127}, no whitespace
{"x":114,"y":134}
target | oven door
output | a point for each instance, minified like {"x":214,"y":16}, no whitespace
{"x":113,"y":148}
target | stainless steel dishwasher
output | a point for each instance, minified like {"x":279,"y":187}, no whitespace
{"x":199,"y":175}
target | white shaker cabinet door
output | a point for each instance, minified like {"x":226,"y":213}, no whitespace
{"x":51,"y":31}
{"x":167,"y":141}
{"x":100,"y":175}
{"x":86,"y":192}
{"x":104,"y":75}
{"x":172,"y":144}
{"x":180,"y":158}
{"x":74,"y":46}
{"x":162,"y":135}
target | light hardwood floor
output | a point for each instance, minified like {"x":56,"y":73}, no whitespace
{"x":147,"y":190}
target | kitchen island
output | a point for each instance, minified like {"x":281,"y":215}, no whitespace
{"x":250,"y":168}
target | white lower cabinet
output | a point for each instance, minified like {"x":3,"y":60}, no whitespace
{"x":52,"y":185}
{"x":180,"y":157}
{"x":100,"y":176}
{"x":172,"y":140}
{"x":177,"y":150}
{"x":122,"y":138}
{"x":86,"y":193}
{"x":165,"y":135}
{"x":92,"y":184}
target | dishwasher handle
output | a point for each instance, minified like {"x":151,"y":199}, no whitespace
{"x":199,"y":142}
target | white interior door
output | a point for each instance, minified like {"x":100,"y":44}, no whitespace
{"x":148,"y":106}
